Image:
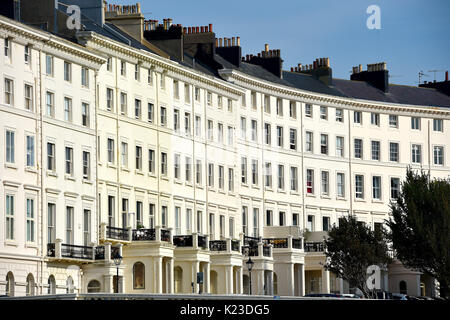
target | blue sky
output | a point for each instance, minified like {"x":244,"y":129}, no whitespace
{"x":414,"y":34}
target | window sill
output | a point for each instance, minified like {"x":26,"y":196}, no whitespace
{"x":222,"y":192}
{"x":31,"y":169}
{"x":231,"y":194}
{"x":188,"y":184}
{"x":31,"y":245}
{"x":244,"y":185}
{"x":152,"y":175}
{"x":268,"y":189}
{"x":341,"y":198}
{"x":138,"y":172}
{"x":70,"y":178}
{"x":311,"y":195}
{"x":255,"y":187}
{"x":377,"y":201}
{"x":112,"y":166}
{"x":295,"y":193}
{"x":199,"y":186}
{"x":178,"y":181}
{"x":52,"y":174}
{"x":359,"y":200}
{"x":325,"y":197}
{"x":11,"y":243}
{"x":87,"y":181}
{"x":281,"y":191}
{"x":125,"y":169}
{"x":11,"y":166}
{"x":211,"y":189}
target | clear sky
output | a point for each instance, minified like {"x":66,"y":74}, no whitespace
{"x":414,"y":35}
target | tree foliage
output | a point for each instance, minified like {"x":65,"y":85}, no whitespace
{"x":351,"y":248}
{"x":420,"y":227}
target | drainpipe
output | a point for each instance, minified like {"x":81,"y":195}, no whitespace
{"x":98,"y":215}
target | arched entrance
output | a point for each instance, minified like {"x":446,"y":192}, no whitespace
{"x":10,"y":284}
{"x":275,"y":284}
{"x":30,"y":285}
{"x":246,"y":284}
{"x":403,"y":287}
{"x":94,"y":286}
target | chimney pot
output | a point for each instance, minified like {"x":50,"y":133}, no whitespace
{"x":184,"y":30}
{"x":138,"y":7}
{"x":210,"y":27}
{"x":446,"y":75}
{"x":220,"y":42}
{"x":189,"y":29}
{"x":259,"y":55}
{"x":202,"y":29}
{"x":197,"y":29}
{"x":247,"y":57}
{"x":238,"y":39}
{"x":266,"y":47}
{"x":217,"y":42}
{"x":234,"y":41}
{"x":314,"y":64}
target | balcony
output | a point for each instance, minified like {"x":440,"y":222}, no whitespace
{"x":120,"y":234}
{"x":266,"y":251}
{"x":314,"y":247}
{"x":277,"y":243}
{"x":165,"y":235}
{"x":201,"y":242}
{"x":100,"y":253}
{"x":235,"y":245}
{"x":77,"y":252}
{"x":297,"y":243}
{"x":250,"y":251}
{"x":218,"y":245}
{"x":183,"y":241}
{"x":144,"y":235}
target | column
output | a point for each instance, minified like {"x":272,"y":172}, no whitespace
{"x":229,"y":279}
{"x":341,"y":286}
{"x":270,"y":282}
{"x":157,"y":263}
{"x":170,"y":275}
{"x":195,"y":270}
{"x":325,"y":281}
{"x":206,"y":278}
{"x":109,"y":287}
{"x":259,"y":282}
{"x":240,"y":284}
{"x":291,"y":279}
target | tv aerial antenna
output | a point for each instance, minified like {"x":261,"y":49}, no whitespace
{"x":434,"y":71}
{"x":422,"y":74}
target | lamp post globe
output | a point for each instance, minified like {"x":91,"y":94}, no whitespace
{"x":250,"y":264}
{"x":117,"y":261}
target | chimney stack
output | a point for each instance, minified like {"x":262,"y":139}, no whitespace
{"x":376,"y":75}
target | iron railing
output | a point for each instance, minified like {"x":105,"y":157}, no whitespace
{"x":182,"y":241}
{"x":277,"y":243}
{"x":235,"y":245}
{"x":251,"y":241}
{"x":114,"y":252}
{"x":297,"y":243}
{"x":144,"y":235}
{"x":201,"y":241}
{"x":117,"y":233}
{"x":50,"y":249}
{"x":314,"y":247}
{"x":218,"y":245}
{"x":165,"y":235}
{"x":250,"y":251}
{"x":100,"y":253}
{"x":266,"y":251}
{"x":76,"y":252}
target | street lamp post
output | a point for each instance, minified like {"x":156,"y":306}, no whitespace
{"x":250,"y":264}
{"x":117,"y":262}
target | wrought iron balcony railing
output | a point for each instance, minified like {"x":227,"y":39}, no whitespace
{"x":218,"y":245}
{"x":266,"y":251}
{"x":235,"y":245}
{"x":144,"y":235}
{"x":77,"y":252}
{"x":165,"y":235}
{"x":251,"y":241}
{"x":114,"y":252}
{"x":250,"y":251}
{"x":314,"y":247}
{"x":51,"y":250}
{"x":183,"y":241}
{"x":297,"y":243}
{"x":201,"y":241}
{"x":277,"y":243}
{"x":100,"y":253}
{"x":117,"y":233}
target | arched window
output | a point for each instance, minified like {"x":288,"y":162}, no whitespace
{"x":51,"y":285}
{"x":69,"y":285}
{"x":30,"y":285}
{"x":178,"y":277}
{"x":93,"y":286}
{"x":138,"y":276}
{"x":9,"y":284}
{"x":246,"y":284}
{"x":403,"y":287}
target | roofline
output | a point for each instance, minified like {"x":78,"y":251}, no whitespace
{"x":50,"y":39}
{"x":322,"y":97}
{"x":160,"y":61}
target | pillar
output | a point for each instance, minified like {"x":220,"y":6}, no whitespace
{"x":195,"y":270}
{"x":291,"y":279}
{"x":341,"y":286}
{"x":170,"y":275}
{"x":301,"y":279}
{"x":229,"y":279}
{"x":206,"y":283}
{"x":325,"y":281}
{"x":157,"y":262}
{"x":240,"y":284}
{"x":270,"y":283}
{"x":259,"y":282}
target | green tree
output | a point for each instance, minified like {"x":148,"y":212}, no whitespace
{"x":351,"y":248}
{"x":420,"y":227}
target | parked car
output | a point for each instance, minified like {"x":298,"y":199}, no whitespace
{"x":399,"y":296}
{"x":350,"y":295}
{"x":324,"y":295}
